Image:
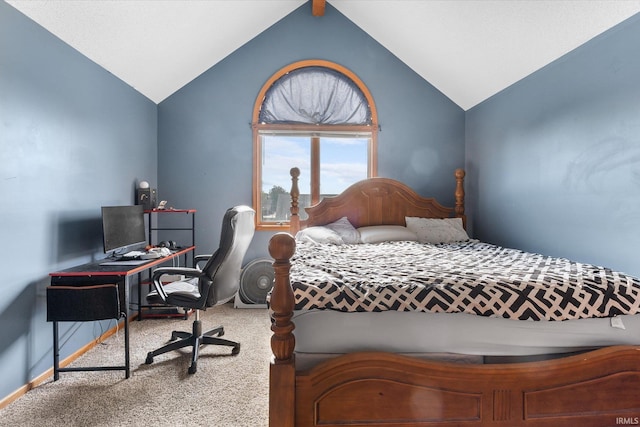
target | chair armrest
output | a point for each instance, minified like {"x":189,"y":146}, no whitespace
{"x":201,"y":258}
{"x":186,"y":271}
{"x":156,"y":277}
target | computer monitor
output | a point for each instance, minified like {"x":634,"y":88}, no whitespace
{"x":123,"y":229}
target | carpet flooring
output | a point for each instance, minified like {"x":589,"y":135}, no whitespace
{"x":226,"y":391}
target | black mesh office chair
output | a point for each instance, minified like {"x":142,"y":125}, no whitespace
{"x":216,"y":283}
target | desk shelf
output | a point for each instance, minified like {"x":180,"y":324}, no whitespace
{"x":149,"y":311}
{"x":154,"y":229}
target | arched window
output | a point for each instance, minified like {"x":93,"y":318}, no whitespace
{"x":316,"y":116}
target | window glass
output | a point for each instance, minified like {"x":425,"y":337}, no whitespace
{"x":279,"y":154}
{"x":343,"y":161}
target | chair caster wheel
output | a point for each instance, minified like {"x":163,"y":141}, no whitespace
{"x":193,"y":368}
{"x":235,"y":350}
{"x":149,"y":360}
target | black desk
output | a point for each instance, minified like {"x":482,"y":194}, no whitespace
{"x":92,"y":301}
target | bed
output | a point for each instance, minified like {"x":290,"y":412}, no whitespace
{"x":590,"y":382}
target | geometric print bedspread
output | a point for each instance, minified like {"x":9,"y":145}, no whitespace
{"x":464,"y":277}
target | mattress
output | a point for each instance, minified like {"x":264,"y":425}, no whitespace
{"x":329,"y":332}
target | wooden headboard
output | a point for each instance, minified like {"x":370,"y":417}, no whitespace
{"x":374,"y":201}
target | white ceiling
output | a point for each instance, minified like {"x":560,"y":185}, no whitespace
{"x":468,"y":49}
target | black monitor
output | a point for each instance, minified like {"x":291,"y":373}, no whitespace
{"x":123,"y":229}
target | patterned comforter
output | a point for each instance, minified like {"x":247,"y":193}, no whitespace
{"x":465,"y":277}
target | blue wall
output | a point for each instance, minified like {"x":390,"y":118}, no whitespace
{"x":554,"y":160}
{"x":72,"y":138}
{"x":205,"y":141}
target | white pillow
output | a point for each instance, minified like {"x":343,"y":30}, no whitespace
{"x":319,"y":234}
{"x":386,"y":233}
{"x":436,"y":230}
{"x":345,"y":230}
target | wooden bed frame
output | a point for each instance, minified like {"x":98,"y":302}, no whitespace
{"x":600,"y":388}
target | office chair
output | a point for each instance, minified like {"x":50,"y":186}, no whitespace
{"x":216,"y":283}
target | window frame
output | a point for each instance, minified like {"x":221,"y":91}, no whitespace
{"x":308,"y":130}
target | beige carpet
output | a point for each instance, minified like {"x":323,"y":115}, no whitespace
{"x":227,"y":391}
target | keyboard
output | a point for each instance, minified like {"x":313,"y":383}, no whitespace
{"x":125,"y":262}
{"x":133,"y":254}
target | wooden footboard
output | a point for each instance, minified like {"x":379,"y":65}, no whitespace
{"x":595,"y":389}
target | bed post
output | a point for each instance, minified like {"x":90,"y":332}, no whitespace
{"x":295,"y":195}
{"x":460,"y":196}
{"x":282,"y":369}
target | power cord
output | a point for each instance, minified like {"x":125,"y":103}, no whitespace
{"x":99,"y":338}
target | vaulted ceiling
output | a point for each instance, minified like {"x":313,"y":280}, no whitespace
{"x":468,"y":49}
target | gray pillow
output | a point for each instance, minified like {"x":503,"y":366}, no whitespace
{"x":435,"y":230}
{"x":386,"y":233}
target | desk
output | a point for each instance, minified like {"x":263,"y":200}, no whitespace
{"x":89,"y":277}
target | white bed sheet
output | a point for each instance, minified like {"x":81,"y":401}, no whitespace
{"x":334,"y":332}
